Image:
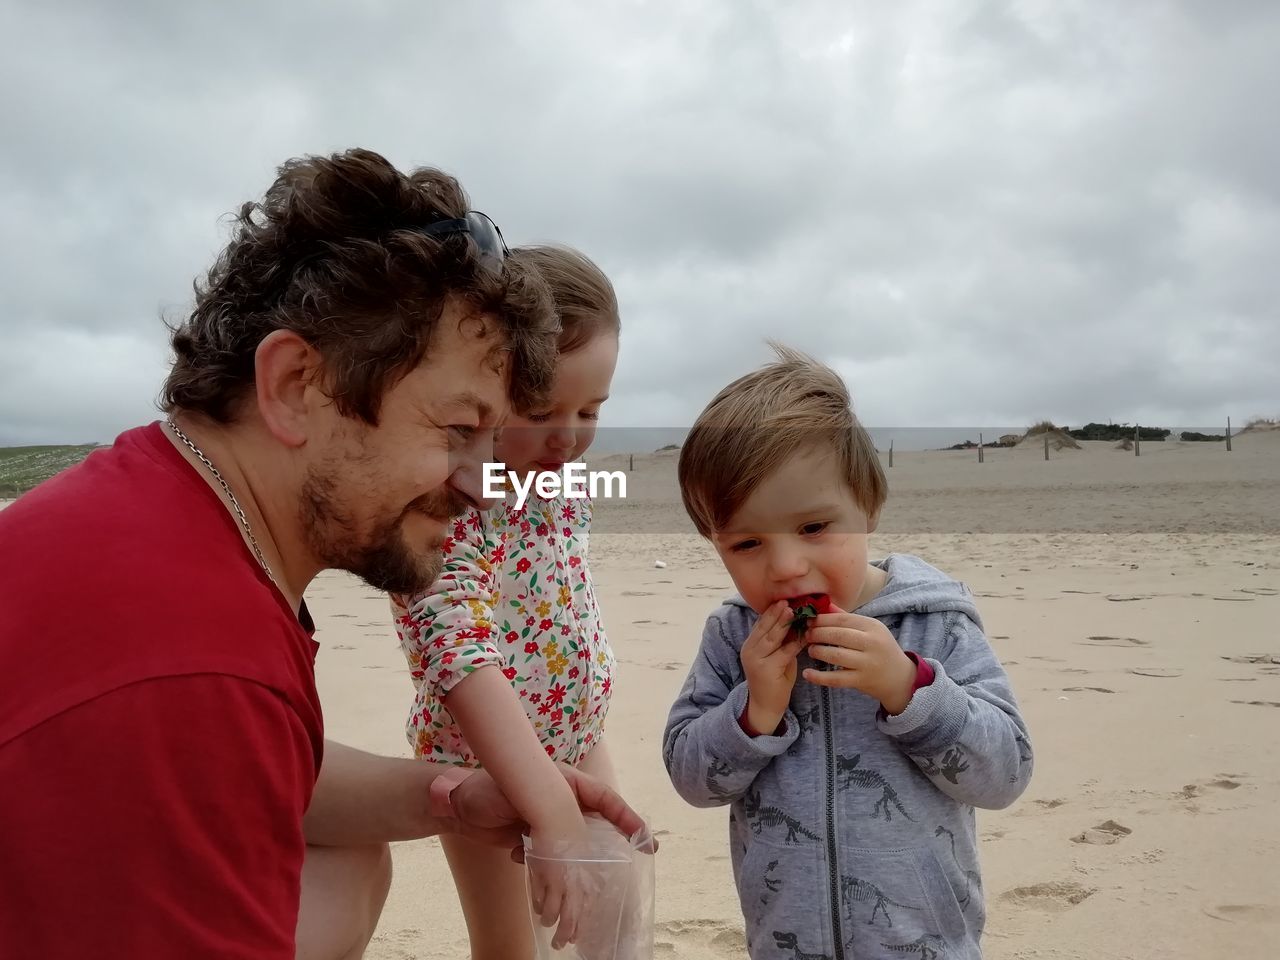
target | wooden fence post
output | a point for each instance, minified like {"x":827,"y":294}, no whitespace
{"x":1228,"y":434}
{"x":1137,"y":441}
{"x":980,"y":460}
{"x":891,"y":453}
{"x":631,"y":462}
{"x":1046,"y":446}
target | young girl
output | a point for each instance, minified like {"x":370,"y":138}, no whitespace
{"x":507,"y":651}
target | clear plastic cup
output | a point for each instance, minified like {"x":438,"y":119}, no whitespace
{"x":616,"y":875}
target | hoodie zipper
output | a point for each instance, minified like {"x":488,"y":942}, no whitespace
{"x":832,"y":858}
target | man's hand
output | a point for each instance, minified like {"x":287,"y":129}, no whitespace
{"x":480,"y":811}
{"x":868,"y":656}
{"x":769,"y":662}
{"x":562,"y":891}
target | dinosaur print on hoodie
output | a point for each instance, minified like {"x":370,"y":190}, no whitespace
{"x":853,"y":833}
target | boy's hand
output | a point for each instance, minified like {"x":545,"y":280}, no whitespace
{"x":769,"y":661}
{"x":868,"y":656}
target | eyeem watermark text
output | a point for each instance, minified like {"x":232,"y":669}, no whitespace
{"x":572,"y":480}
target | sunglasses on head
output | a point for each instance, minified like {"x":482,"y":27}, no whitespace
{"x":488,"y":238}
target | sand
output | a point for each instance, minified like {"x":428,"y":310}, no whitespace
{"x":1135,"y":602}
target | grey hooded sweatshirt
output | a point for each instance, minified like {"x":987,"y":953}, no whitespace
{"x":852,"y":832}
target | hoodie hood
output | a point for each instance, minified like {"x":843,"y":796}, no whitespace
{"x":914,"y":586}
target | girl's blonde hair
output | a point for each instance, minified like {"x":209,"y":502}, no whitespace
{"x":584,"y":297}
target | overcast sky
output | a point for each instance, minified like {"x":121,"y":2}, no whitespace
{"x":979,"y":212}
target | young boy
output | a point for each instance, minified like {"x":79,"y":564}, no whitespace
{"x":852,"y":745}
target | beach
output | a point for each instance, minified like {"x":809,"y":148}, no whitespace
{"x":1134,"y":601}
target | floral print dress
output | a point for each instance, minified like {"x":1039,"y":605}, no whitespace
{"x":515,"y":593}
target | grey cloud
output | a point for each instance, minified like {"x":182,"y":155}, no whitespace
{"x":978,"y":211}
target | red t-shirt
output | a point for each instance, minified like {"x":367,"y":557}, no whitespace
{"x":160,"y":730}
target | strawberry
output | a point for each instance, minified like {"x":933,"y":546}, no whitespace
{"x":805,"y":608}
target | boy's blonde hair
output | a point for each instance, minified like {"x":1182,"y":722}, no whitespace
{"x":755,"y":424}
{"x":584,"y":297}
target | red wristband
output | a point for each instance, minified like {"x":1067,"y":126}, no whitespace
{"x":924,"y":672}
{"x":750,"y":732}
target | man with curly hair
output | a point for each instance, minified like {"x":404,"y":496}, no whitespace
{"x":167,"y":787}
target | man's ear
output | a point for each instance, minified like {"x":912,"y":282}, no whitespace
{"x":287,"y":381}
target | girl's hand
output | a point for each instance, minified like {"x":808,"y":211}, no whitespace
{"x":560,"y":888}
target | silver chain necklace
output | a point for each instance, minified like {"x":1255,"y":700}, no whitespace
{"x":244,"y":521}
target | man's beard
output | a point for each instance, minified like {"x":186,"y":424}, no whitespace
{"x":381,"y":558}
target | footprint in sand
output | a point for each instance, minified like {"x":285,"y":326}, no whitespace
{"x":1103,"y":641}
{"x":690,"y":939}
{"x":1083,"y":689}
{"x":1260,"y":591}
{"x":1116,"y":598}
{"x":1147,"y":856}
{"x":342,"y":646}
{"x":1055,"y":896}
{"x":1258,"y":658}
{"x":1245,"y":912}
{"x":1025,"y":810}
{"x":1104,"y":833}
{"x":636,"y":593}
{"x":401,"y":944}
{"x":1257,"y":703}
{"x":1192,"y":790}
{"x":1154,"y":672}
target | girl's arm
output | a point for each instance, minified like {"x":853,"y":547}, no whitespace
{"x":447,"y":633}
{"x":498,"y":731}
